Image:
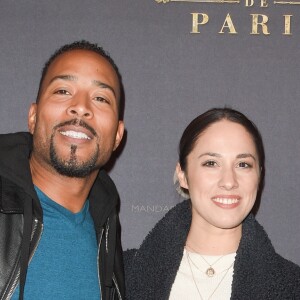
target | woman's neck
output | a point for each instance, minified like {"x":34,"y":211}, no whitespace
{"x":213,"y":241}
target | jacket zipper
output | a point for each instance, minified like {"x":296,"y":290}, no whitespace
{"x":117,"y":287}
{"x":14,"y":284}
{"x":98,"y":261}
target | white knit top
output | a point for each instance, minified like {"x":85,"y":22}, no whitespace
{"x":192,"y":283}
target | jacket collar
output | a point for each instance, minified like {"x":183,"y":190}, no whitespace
{"x":103,"y":198}
{"x":15,"y":149}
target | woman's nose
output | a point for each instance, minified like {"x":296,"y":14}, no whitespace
{"x":228,"y":179}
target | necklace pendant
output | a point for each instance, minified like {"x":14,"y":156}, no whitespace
{"x":210,"y":272}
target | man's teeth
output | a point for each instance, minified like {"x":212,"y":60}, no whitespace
{"x":75,"y":134}
{"x":226,"y":200}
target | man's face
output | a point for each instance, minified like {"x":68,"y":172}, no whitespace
{"x":75,"y":124}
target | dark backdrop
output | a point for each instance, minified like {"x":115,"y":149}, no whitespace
{"x":170,"y":76}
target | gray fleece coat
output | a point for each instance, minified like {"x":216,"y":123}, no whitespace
{"x":259,"y":272}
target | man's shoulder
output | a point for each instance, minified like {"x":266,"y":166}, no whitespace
{"x":14,"y":145}
{"x":8,"y":139}
{"x":15,"y":174}
{"x":105,"y":188}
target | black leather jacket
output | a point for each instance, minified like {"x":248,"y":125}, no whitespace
{"x":21,"y":216}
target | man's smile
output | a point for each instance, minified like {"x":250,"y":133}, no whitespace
{"x":75,"y":134}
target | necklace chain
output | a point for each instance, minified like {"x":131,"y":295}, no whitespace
{"x":194,"y":280}
{"x":210,"y":271}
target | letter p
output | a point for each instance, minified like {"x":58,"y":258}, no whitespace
{"x":196,"y":21}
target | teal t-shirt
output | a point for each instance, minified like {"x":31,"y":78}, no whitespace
{"x":65,"y":264}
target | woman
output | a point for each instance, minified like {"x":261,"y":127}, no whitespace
{"x":211,"y":246}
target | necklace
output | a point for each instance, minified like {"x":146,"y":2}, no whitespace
{"x":210,"y":271}
{"x":194,"y":280}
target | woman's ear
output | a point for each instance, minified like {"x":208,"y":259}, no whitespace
{"x":181,"y":177}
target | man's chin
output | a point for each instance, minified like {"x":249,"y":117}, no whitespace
{"x":72,"y":165}
{"x":73,"y":171}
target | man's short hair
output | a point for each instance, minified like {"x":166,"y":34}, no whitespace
{"x":82,"y":45}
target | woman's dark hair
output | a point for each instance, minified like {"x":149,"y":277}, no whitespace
{"x":202,"y":122}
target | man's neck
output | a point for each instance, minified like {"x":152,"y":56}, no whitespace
{"x":69,"y":192}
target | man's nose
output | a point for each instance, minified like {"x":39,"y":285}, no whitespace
{"x":80,"y":107}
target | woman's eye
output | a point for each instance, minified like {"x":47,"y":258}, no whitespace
{"x":209,"y":163}
{"x":244,"y":165}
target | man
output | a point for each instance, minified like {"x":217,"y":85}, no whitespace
{"x":58,"y":221}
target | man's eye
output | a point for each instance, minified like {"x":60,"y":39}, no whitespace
{"x":101,"y":99}
{"x":62,"y":92}
{"x":209,"y":163}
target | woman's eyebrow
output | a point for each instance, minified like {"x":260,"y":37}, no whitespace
{"x":210,"y":154}
{"x":245,"y":155}
{"x":213,"y":154}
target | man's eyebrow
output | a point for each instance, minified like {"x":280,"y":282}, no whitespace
{"x":64,"y":77}
{"x":104,"y":86}
{"x":245,"y":155}
{"x":74,"y":78}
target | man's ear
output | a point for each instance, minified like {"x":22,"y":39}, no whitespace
{"x":32,"y":117}
{"x":181,"y":177}
{"x":119,"y":135}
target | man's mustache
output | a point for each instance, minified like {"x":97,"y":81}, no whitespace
{"x":79,"y":123}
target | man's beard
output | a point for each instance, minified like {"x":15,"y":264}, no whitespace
{"x":71,"y":167}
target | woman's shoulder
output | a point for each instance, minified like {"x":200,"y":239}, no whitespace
{"x":129,"y":254}
{"x":286,"y":277}
{"x":128,"y":257}
{"x":288,"y":269}
{"x":167,"y":236}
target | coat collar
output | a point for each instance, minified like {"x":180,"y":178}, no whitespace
{"x":153,"y":269}
{"x":160,"y":255}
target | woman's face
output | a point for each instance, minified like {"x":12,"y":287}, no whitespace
{"x":222,"y":175}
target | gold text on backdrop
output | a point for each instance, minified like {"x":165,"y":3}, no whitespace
{"x":258,"y":22}
{"x":265,"y":2}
